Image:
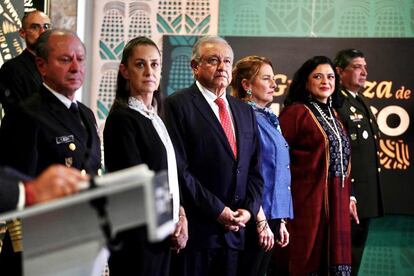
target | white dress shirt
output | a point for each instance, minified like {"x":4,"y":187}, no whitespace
{"x":210,"y":98}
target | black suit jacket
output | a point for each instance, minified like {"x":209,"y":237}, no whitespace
{"x":130,"y":139}
{"x":364,"y":135}
{"x":210,"y":177}
{"x":21,"y":78}
{"x":42,"y":131}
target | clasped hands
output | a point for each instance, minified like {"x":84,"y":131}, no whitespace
{"x":234,"y":220}
{"x":180,"y":235}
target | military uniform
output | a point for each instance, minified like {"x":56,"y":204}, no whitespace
{"x":366,"y":187}
{"x":42,"y":132}
{"x":364,"y":135}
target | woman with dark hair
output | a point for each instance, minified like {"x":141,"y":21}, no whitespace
{"x":135,"y":134}
{"x":253,"y":82}
{"x":320,"y":152}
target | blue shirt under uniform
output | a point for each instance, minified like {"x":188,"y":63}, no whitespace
{"x":277,"y":198}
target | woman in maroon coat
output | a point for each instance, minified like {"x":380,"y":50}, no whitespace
{"x":320,"y":154}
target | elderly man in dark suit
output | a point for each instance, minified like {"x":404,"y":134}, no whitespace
{"x":51,"y":127}
{"x":364,"y":134}
{"x":215,"y":138}
{"x":20,"y":75}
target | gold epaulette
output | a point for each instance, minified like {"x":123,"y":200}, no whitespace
{"x":16,"y":234}
{"x":344,"y":93}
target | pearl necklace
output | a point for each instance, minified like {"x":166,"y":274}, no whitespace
{"x":335,"y":131}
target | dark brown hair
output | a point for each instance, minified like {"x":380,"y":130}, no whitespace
{"x":298,"y":92}
{"x":344,"y":57}
{"x":122,"y":87}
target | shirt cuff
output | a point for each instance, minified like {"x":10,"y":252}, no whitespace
{"x":22,"y":197}
{"x":353,"y":199}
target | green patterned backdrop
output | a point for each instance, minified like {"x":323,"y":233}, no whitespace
{"x":320,"y":18}
{"x":120,"y":21}
{"x":285,"y":18}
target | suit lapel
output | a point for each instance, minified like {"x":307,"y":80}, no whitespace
{"x":354,"y":102}
{"x":89,"y":123}
{"x":368,"y":109}
{"x":208,"y":114}
{"x":237,"y":118}
{"x":92,"y":156}
{"x":60,"y":113}
{"x":357,"y":105}
{"x":362,"y":107}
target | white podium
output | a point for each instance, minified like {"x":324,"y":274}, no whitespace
{"x":63,"y":237}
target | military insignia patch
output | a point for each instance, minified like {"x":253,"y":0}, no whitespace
{"x":65,"y":139}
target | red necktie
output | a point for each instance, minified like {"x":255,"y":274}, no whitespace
{"x":226,"y":124}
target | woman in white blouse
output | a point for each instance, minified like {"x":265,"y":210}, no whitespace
{"x":134,"y":134}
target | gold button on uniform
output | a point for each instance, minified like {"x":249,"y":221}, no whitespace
{"x":72,"y":146}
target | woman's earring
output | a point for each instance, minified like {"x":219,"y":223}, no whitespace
{"x":249,"y":92}
{"x":330,"y":101}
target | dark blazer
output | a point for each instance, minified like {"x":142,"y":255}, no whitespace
{"x":9,"y":189}
{"x":209,"y":175}
{"x":130,"y":139}
{"x":21,"y":78}
{"x":42,"y":131}
{"x":364,"y":135}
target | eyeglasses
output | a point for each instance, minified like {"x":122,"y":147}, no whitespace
{"x":38,"y":27}
{"x":215,"y":61}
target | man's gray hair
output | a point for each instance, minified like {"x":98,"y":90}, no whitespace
{"x":42,"y":46}
{"x":196,"y":56}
